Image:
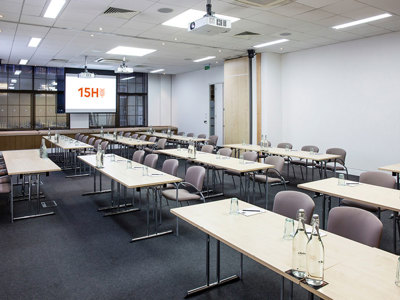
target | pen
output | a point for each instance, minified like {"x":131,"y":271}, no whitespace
{"x":256,"y":210}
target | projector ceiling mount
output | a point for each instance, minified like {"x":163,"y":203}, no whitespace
{"x":123,"y":69}
{"x":86,"y":73}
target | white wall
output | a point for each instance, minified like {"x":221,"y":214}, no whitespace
{"x":79,"y":121}
{"x":159,"y":100}
{"x":271,"y":104}
{"x":190,"y":99}
{"x":345,"y":95}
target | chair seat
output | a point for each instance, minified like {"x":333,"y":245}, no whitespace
{"x":370,"y":208}
{"x":5,"y":188}
{"x":331,"y":166}
{"x":263,"y":179}
{"x":304,"y":163}
{"x":169,"y":186}
{"x":233,"y":173}
{"x":147,"y":149}
{"x":183,"y":195}
{"x":4,"y":179}
{"x":3,"y":172}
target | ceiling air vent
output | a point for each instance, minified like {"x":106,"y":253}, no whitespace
{"x":120,"y":13}
{"x":265,"y":3}
{"x":247,"y":33}
{"x":109,"y":60}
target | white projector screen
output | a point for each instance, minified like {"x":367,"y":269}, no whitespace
{"x":86,"y":95}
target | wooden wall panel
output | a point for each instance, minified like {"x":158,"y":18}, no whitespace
{"x":236,"y":101}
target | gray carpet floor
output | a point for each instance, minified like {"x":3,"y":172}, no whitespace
{"x":79,"y":254}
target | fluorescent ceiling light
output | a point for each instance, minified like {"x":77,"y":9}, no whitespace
{"x":17,"y":72}
{"x":204,"y":58}
{"x":271,"y":43}
{"x":13,"y":80}
{"x":131,"y":51}
{"x":23,"y":61}
{"x":34,"y":42}
{"x":127,"y":78}
{"x":11,"y":88}
{"x":54,"y":8}
{"x":184,"y":19}
{"x":156,"y":71}
{"x":362,"y":21}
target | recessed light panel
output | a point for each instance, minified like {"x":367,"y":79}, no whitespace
{"x":362,"y":21}
{"x":156,"y":71}
{"x":131,"y":51}
{"x":204,"y":58}
{"x":271,"y":43}
{"x":54,"y":8}
{"x":34,"y":42}
{"x":23,"y":61}
{"x":183,"y":20}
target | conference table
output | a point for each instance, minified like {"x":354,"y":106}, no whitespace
{"x":321,"y":158}
{"x":66,"y":145}
{"x":395,"y":169}
{"x":222,"y":162}
{"x":124,"y":141}
{"x":130,"y":178}
{"x":28,"y":163}
{"x":174,"y":137}
{"x":382,"y":197}
{"x":352,"y":270}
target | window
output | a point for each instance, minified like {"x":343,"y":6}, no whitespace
{"x":131,"y":110}
{"x":98,"y":120}
{"x":46,"y":112}
{"x":15,"y":110}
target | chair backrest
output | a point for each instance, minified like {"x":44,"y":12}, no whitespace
{"x":152,"y":139}
{"x":338,"y":151}
{"x":225,"y":151}
{"x":378,"y":178}
{"x":309,"y":147}
{"x":213,"y":140}
{"x":287,"y":203}
{"x":277,"y":161}
{"x":77,"y":135}
{"x":134,"y":136}
{"x":91,"y":141}
{"x":121,"y":133}
{"x":180,"y":133}
{"x":127,"y":134}
{"x":80,"y":137}
{"x":190,"y":134}
{"x":161,"y":143}
{"x":207,"y":148}
{"x":142,"y":137}
{"x":104,"y":146}
{"x":284,"y":145}
{"x":195,"y":175}
{"x":96,"y":143}
{"x":170,"y":166}
{"x":151,"y":160}
{"x":84,"y":139}
{"x":356,"y":224}
{"x":250,"y":155}
{"x":138,"y":156}
{"x":201,"y":136}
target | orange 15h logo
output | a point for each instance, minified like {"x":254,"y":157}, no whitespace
{"x":92,"y":92}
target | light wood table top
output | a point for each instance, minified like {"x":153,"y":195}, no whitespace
{"x":363,"y":193}
{"x":367,"y":275}
{"x":391,"y":168}
{"x":123,"y":140}
{"x":131,"y":178}
{"x":284,"y":152}
{"x":68,"y":143}
{"x":174,"y":137}
{"x":226,"y":163}
{"x":28,"y":162}
{"x":260,"y":237}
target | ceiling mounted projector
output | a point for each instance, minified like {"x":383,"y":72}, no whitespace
{"x":123,"y":69}
{"x":210,"y":24}
{"x":86,"y":73}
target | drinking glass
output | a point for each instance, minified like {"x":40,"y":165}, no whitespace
{"x":234,"y":210}
{"x":241,"y":159}
{"x":112,"y":157}
{"x":145,"y":171}
{"x":178,"y":147}
{"x":287,"y":148}
{"x":289,"y":229}
{"x":129,"y":164}
{"x":218,"y":155}
{"x":397,"y":282}
{"x":341,"y":180}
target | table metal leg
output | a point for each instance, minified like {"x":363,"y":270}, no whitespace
{"x":94,"y":186}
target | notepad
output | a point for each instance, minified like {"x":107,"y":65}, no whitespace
{"x":251,"y":211}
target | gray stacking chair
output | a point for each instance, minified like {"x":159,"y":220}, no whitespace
{"x":249,"y":156}
{"x":159,"y":146}
{"x":190,"y":134}
{"x":85,"y":139}
{"x":138,"y":156}
{"x":340,"y":162}
{"x":181,"y":133}
{"x":142,"y":137}
{"x":104,"y":146}
{"x":170,"y":166}
{"x":152,"y":139}
{"x":273,"y":176}
{"x":287,"y":159}
{"x":201,"y":136}
{"x":302,"y":163}
{"x":375,"y":178}
{"x":151,"y":160}
{"x":134,"y":136}
{"x":356,"y":224}
{"x":77,"y":135}
{"x":287,"y":203}
{"x":284,"y":145}
{"x":207,"y":148}
{"x":127,"y":134}
{"x":213,"y":140}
